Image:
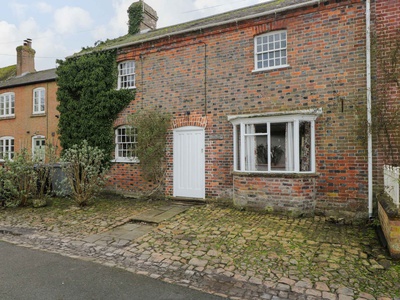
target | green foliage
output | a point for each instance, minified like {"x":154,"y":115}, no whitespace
{"x":135,"y":12}
{"x":152,"y":127}
{"x":25,"y":177}
{"x":18,"y":179}
{"x":7,"y":72}
{"x":84,"y":170}
{"x":385,"y":113}
{"x":45,"y":170}
{"x":89,"y":101}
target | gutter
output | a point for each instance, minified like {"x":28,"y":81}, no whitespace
{"x":13,"y":85}
{"x":167,"y":35}
{"x":369,"y":106}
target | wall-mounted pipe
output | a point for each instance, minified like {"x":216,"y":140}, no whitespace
{"x":369,"y":105}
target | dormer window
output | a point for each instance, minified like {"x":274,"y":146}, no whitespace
{"x":126,"y":75}
{"x":39,"y":100}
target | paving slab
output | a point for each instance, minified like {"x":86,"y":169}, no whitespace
{"x":143,"y":224}
{"x":160,"y":214}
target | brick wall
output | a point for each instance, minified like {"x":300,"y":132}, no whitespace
{"x":275,"y":193}
{"x":25,"y":125}
{"x":386,"y":24}
{"x":210,"y":74}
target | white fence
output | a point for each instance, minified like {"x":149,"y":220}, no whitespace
{"x":391,"y":180}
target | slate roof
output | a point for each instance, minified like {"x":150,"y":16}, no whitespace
{"x":224,"y":18}
{"x":30,"y":78}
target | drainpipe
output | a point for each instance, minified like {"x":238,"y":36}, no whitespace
{"x":369,"y":105}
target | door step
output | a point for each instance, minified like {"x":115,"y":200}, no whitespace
{"x":188,"y":201}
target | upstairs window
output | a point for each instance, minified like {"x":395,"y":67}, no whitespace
{"x":39,"y":147}
{"x":39,"y":101}
{"x":6,"y":148}
{"x":7,"y":105}
{"x":126,"y":75}
{"x":125,"y":144}
{"x":270,"y":50}
{"x":284,"y":144}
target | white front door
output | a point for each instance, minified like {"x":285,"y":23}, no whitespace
{"x":189,"y":162}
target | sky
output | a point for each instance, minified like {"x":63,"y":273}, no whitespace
{"x":60,"y":28}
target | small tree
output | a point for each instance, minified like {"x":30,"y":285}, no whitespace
{"x":84,"y":170}
{"x":152,"y":127}
{"x":18,"y":179}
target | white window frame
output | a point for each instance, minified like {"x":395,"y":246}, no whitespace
{"x":7,"y":105}
{"x":118,"y":143}
{"x":39,"y":100}
{"x":7,"y":146}
{"x":270,"y":44}
{"x":34,"y":154}
{"x":126,"y":75}
{"x":293,"y":144}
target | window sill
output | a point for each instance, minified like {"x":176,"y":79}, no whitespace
{"x":38,"y":115}
{"x":268,"y":70}
{"x":275,"y":174}
{"x":129,"y":88}
{"x":126,"y":161}
{"x":7,"y":117}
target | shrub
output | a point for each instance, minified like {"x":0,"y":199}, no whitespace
{"x":18,"y":179}
{"x":152,"y":128}
{"x":84,"y":170}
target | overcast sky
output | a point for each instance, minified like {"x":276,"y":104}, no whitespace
{"x":59,"y":28}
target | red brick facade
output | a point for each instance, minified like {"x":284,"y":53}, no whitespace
{"x":209,"y":74}
{"x":386,"y":25}
{"x":34,"y":103}
{"x":25,"y":124}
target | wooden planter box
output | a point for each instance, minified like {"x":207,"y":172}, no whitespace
{"x":389,"y":217}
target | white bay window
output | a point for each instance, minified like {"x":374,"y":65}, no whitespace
{"x":272,"y":143}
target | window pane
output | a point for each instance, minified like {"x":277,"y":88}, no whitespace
{"x":256,"y":149}
{"x":238,"y":146}
{"x":126,"y":75}
{"x":262,"y":153}
{"x":261,"y":128}
{"x":280,"y":155}
{"x":273,"y":46}
{"x":305,"y":146}
{"x":126,"y":143}
{"x":250,"y":156}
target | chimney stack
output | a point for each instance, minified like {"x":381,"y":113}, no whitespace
{"x":25,"y":58}
{"x":142,"y":17}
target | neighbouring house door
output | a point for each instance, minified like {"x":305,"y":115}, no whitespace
{"x":189,"y":162}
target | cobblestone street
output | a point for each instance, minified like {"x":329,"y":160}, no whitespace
{"x":231,"y":253}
